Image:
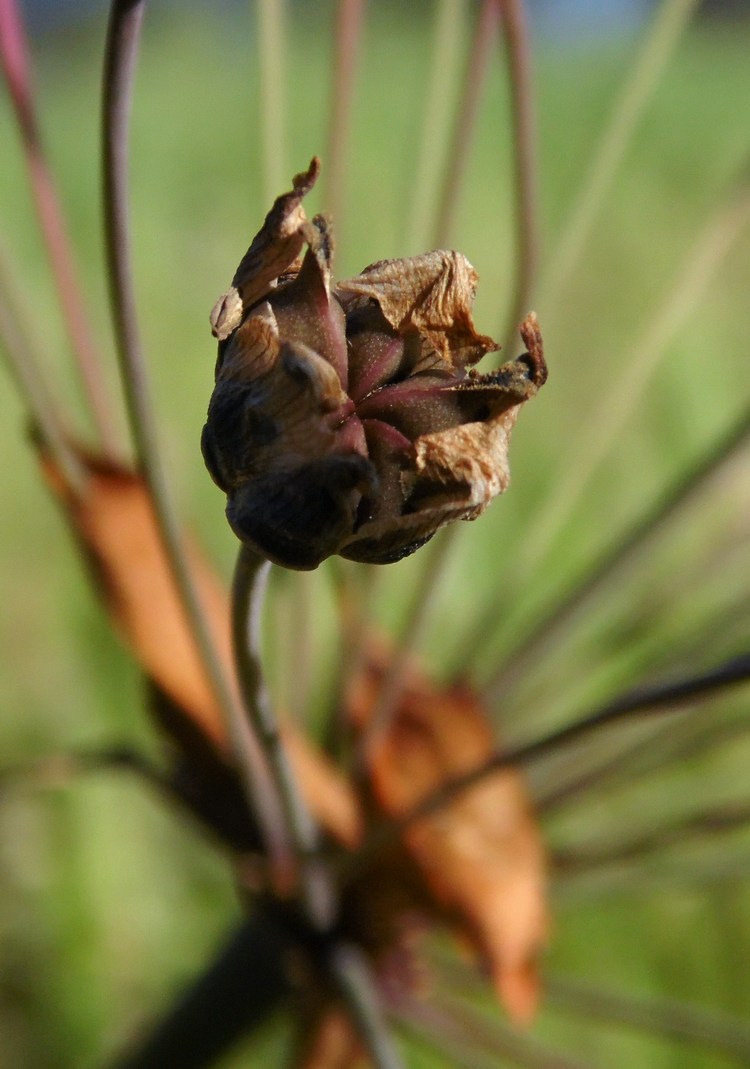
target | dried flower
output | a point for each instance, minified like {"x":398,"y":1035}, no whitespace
{"x":345,"y":418}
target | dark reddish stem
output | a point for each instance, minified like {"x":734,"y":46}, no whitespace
{"x":655,"y":699}
{"x":16,"y":68}
{"x":120,"y":61}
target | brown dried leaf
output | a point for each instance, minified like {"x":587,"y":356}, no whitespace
{"x":114,"y":521}
{"x":432,"y":294}
{"x":274,"y":248}
{"x":481,"y":855}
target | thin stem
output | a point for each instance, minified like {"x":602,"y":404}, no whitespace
{"x":441,"y":85}
{"x":656,"y":699}
{"x":475,"y":1039}
{"x":20,"y":351}
{"x":349,"y":23}
{"x":354,"y":980}
{"x":248,"y":591}
{"x":16,"y":68}
{"x":345,"y":963}
{"x":459,"y":152}
{"x":417,"y":618}
{"x":573,"y":861}
{"x":602,"y":431}
{"x":122,"y":48}
{"x":665,"y":1017}
{"x":356,"y":586}
{"x":518,"y":48}
{"x":659,"y":41}
{"x":652,"y":754}
{"x":271,"y":53}
{"x":610,"y":562}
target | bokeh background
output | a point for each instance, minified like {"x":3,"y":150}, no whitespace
{"x":109,"y":900}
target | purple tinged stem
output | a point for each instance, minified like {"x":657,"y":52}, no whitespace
{"x":518,"y":49}
{"x":15,"y":64}
{"x":122,"y":48}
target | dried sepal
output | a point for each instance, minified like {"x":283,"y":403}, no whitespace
{"x":432,"y":294}
{"x":271,"y":253}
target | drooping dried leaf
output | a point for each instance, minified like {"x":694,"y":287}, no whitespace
{"x":114,"y":521}
{"x":432,"y":294}
{"x":481,"y":855}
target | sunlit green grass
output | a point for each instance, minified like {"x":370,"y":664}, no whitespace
{"x":107,"y":900}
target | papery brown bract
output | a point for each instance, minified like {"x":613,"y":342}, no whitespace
{"x":344,"y":418}
{"x":479,"y":861}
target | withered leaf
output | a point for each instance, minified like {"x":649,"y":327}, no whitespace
{"x":432,"y":294}
{"x":271,"y":252}
{"x":114,"y":521}
{"x":481,"y":855}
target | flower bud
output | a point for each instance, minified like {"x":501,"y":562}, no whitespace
{"x":345,"y":418}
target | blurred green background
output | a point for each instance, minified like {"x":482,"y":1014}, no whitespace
{"x":109,"y":900}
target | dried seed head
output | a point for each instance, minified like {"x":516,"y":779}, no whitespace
{"x":344,"y":417}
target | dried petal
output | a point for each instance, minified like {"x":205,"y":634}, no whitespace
{"x":450,"y":474}
{"x":280,"y":442}
{"x":271,"y":252}
{"x":432,"y":294}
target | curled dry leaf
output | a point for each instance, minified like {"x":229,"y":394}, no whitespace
{"x":114,"y":521}
{"x":480,"y":855}
{"x":345,"y":418}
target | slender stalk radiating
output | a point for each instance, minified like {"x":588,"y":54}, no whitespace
{"x":657,"y":699}
{"x":518,"y":49}
{"x":271,"y":65}
{"x":122,"y":48}
{"x":459,"y":152}
{"x":659,"y":41}
{"x":15,"y":65}
{"x":24,"y":359}
{"x":665,"y":1017}
{"x":476,"y":1039}
{"x":440,"y":93}
{"x":597,"y":436}
{"x":349,"y":25}
{"x":571,"y":861}
{"x":248,"y":592}
{"x":611,"y":563}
